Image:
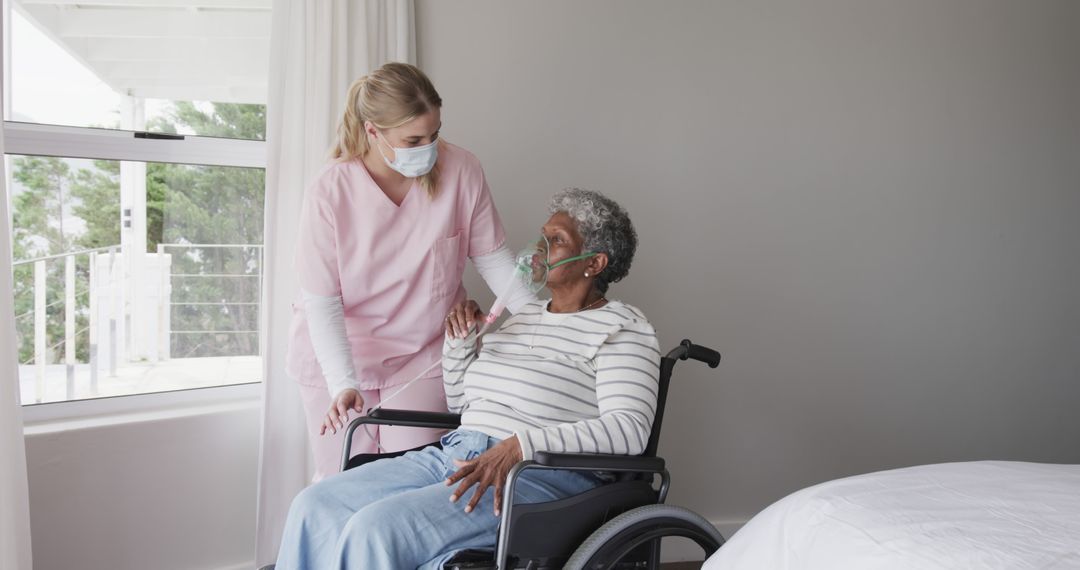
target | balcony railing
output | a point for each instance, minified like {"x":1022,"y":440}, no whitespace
{"x":257,"y":275}
{"x":128,"y":314}
{"x":41,"y":349}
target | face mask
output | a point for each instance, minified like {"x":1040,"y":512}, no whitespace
{"x":414,"y":161}
{"x":533,"y":267}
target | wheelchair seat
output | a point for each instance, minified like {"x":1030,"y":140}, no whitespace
{"x":543,"y":536}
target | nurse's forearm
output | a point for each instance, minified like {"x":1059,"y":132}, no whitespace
{"x":497,"y":269}
{"x":326,"y":324}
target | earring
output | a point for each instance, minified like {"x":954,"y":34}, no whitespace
{"x":586,"y":274}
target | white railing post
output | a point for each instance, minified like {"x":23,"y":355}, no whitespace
{"x":164,"y":304}
{"x":114,"y":309}
{"x":39,"y":330}
{"x":93,"y":324}
{"x":69,"y":323}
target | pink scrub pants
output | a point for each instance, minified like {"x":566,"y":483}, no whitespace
{"x":426,"y":395}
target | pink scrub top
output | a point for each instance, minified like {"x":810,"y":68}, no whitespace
{"x":397,"y":268}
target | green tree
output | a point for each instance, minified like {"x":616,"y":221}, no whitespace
{"x":217,"y":206}
{"x":42,"y":228}
{"x":97,"y":194}
{"x":38,"y":214}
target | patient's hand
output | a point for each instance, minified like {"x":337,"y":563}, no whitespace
{"x":490,"y":468}
{"x":338,"y":414}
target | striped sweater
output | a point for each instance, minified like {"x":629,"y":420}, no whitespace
{"x":562,"y":382}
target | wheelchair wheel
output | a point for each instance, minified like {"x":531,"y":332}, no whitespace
{"x":611,"y":542}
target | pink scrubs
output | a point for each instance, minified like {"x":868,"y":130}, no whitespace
{"x":398,"y":270}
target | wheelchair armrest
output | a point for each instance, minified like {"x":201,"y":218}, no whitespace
{"x":410,"y":418}
{"x":600,"y":462}
{"x":406,"y":418}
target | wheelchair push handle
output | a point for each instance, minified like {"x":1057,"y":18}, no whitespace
{"x":687,"y":350}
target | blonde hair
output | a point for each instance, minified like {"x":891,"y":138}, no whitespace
{"x":388,"y":97}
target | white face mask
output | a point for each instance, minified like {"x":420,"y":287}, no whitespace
{"x":414,"y":161}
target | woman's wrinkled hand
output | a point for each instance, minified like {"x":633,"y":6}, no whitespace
{"x":462,"y":317}
{"x":487,"y":470}
{"x":338,"y":414}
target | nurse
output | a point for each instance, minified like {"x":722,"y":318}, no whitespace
{"x":384,"y":233}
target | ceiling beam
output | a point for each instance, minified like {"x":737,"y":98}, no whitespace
{"x":171,"y":49}
{"x":46,"y":22}
{"x":135,"y":23}
{"x":194,"y":68}
{"x":164,"y":54}
{"x":216,"y":93}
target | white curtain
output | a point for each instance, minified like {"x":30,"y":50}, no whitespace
{"x":318,"y":48}
{"x":14,"y":495}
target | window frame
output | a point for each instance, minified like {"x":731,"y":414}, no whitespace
{"x":126,"y":145}
{"x":32,"y":139}
{"x":119,"y":406}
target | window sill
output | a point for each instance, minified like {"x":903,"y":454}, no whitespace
{"x":82,"y":414}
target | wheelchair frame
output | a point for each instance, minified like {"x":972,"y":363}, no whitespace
{"x":645,"y":464}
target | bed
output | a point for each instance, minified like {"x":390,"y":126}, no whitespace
{"x":986,"y":514}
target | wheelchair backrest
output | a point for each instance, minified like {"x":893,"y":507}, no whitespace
{"x":685,"y":350}
{"x":666,"y":365}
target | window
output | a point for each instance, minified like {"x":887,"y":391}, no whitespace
{"x":85,"y":63}
{"x":134,"y":134}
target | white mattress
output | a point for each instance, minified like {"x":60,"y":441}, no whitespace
{"x":989,"y":514}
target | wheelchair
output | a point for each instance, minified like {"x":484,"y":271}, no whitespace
{"x":617,"y":525}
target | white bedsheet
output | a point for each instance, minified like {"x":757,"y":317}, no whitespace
{"x":987,"y":514}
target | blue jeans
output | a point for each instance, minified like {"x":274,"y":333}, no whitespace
{"x":396,"y":513}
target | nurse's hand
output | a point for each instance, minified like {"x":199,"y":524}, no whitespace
{"x":462,"y":317}
{"x":338,"y":415}
{"x":489,"y":469}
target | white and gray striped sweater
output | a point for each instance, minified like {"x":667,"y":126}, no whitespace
{"x":562,"y":382}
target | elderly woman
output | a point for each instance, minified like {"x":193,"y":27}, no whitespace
{"x":577,"y":373}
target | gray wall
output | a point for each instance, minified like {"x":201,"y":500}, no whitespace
{"x":872,"y":209}
{"x":162,"y":490}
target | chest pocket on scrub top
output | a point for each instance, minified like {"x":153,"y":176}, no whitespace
{"x":446,"y":277}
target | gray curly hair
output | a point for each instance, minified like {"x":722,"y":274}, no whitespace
{"x":604,"y":226}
